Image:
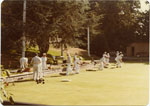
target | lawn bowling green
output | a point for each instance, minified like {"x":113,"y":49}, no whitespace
{"x":112,"y":86}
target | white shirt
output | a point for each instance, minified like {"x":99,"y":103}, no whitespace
{"x":44,"y":59}
{"x":118,"y":57}
{"x":108,"y":56}
{"x":69,"y":59}
{"x":23,"y":60}
{"x":104,"y":55}
{"x":117,"y":54}
{"x":36,"y":60}
{"x":75,"y":58}
{"x":102,"y":59}
{"x":121,"y":55}
{"x":44,"y":62}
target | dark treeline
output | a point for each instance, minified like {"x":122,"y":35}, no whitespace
{"x":113,"y":24}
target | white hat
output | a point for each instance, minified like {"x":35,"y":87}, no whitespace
{"x":44,"y":54}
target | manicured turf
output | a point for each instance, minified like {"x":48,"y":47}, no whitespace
{"x":112,"y":86}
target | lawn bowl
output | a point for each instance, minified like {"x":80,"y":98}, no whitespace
{"x":49,"y":68}
{"x":65,"y":80}
{"x":64,"y":69}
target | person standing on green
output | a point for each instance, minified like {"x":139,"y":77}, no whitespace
{"x":69,"y":62}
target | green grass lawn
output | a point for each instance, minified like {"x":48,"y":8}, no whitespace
{"x":52,"y":51}
{"x":112,"y":86}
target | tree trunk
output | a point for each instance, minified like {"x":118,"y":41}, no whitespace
{"x":62,"y":50}
{"x":43,"y":47}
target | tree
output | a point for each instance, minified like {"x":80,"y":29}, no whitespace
{"x":142,"y":27}
{"x":58,"y":21}
{"x":11,"y":25}
{"x":117,"y":26}
{"x":46,"y":22}
{"x":114,"y":24}
{"x":93,"y":18}
{"x":38,"y":24}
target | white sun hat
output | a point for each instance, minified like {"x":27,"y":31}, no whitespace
{"x":44,"y":54}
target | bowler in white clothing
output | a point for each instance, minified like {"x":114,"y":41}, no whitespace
{"x":23,"y":62}
{"x":69,"y":62}
{"x":101,"y":67}
{"x":107,"y":59}
{"x":76,"y":64}
{"x":117,"y":53}
{"x":37,"y":67}
{"x":44,"y":61}
{"x":118,"y":61}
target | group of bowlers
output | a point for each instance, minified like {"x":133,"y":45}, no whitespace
{"x":77,"y":62}
{"x":104,"y":61}
{"x":40,"y":64}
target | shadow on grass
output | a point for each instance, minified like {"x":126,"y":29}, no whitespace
{"x":147,"y":63}
{"x":7,"y":103}
{"x":28,"y":80}
{"x":112,"y":67}
{"x":134,"y":62}
{"x":113,"y":64}
{"x":56,"y":76}
{"x":131,"y":62}
{"x":91,"y":70}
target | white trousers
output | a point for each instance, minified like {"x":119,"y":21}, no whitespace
{"x":107,"y":61}
{"x":37,"y":72}
{"x":44,"y":65}
{"x":77,"y":68}
{"x":118,"y":63}
{"x":69,"y":69}
{"x":101,"y":66}
{"x":23,"y":65}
